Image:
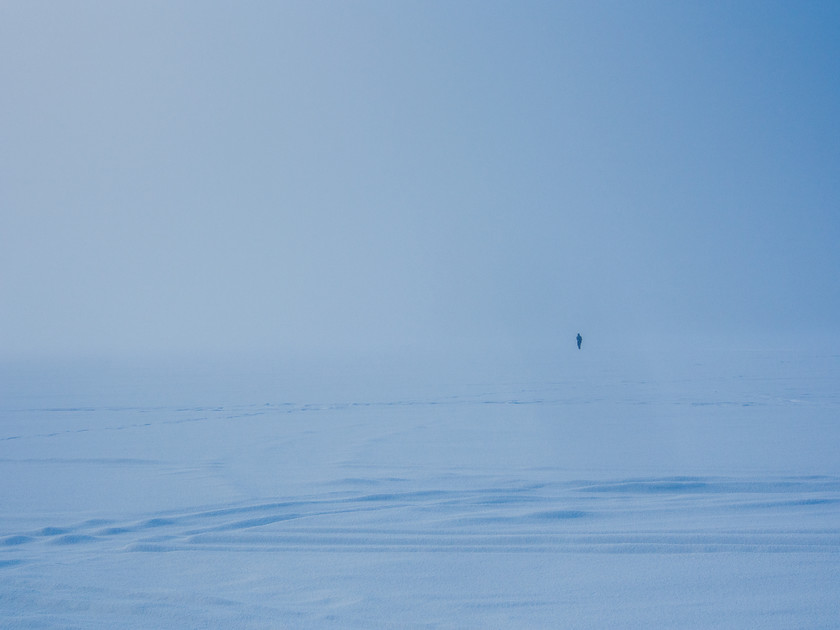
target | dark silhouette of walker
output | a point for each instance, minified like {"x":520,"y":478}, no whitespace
{"x":579,"y":340}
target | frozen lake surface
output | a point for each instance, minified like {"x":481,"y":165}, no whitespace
{"x":686,"y":489}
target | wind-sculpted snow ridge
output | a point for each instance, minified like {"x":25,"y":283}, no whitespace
{"x":668,"y":515}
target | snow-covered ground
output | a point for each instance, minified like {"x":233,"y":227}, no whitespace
{"x":669,"y":488}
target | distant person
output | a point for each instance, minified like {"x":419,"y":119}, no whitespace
{"x":579,"y":340}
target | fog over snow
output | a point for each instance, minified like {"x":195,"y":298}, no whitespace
{"x":289,"y":294}
{"x":205,"y":177}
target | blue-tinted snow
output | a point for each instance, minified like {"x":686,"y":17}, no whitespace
{"x":589,"y":490}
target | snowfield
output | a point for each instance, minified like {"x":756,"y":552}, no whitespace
{"x":682,"y":489}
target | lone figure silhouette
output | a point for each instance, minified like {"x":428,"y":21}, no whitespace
{"x":579,"y":339}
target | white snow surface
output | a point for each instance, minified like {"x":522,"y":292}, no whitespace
{"x":591,"y":489}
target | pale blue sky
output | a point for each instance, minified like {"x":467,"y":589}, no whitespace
{"x":208,"y":177}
